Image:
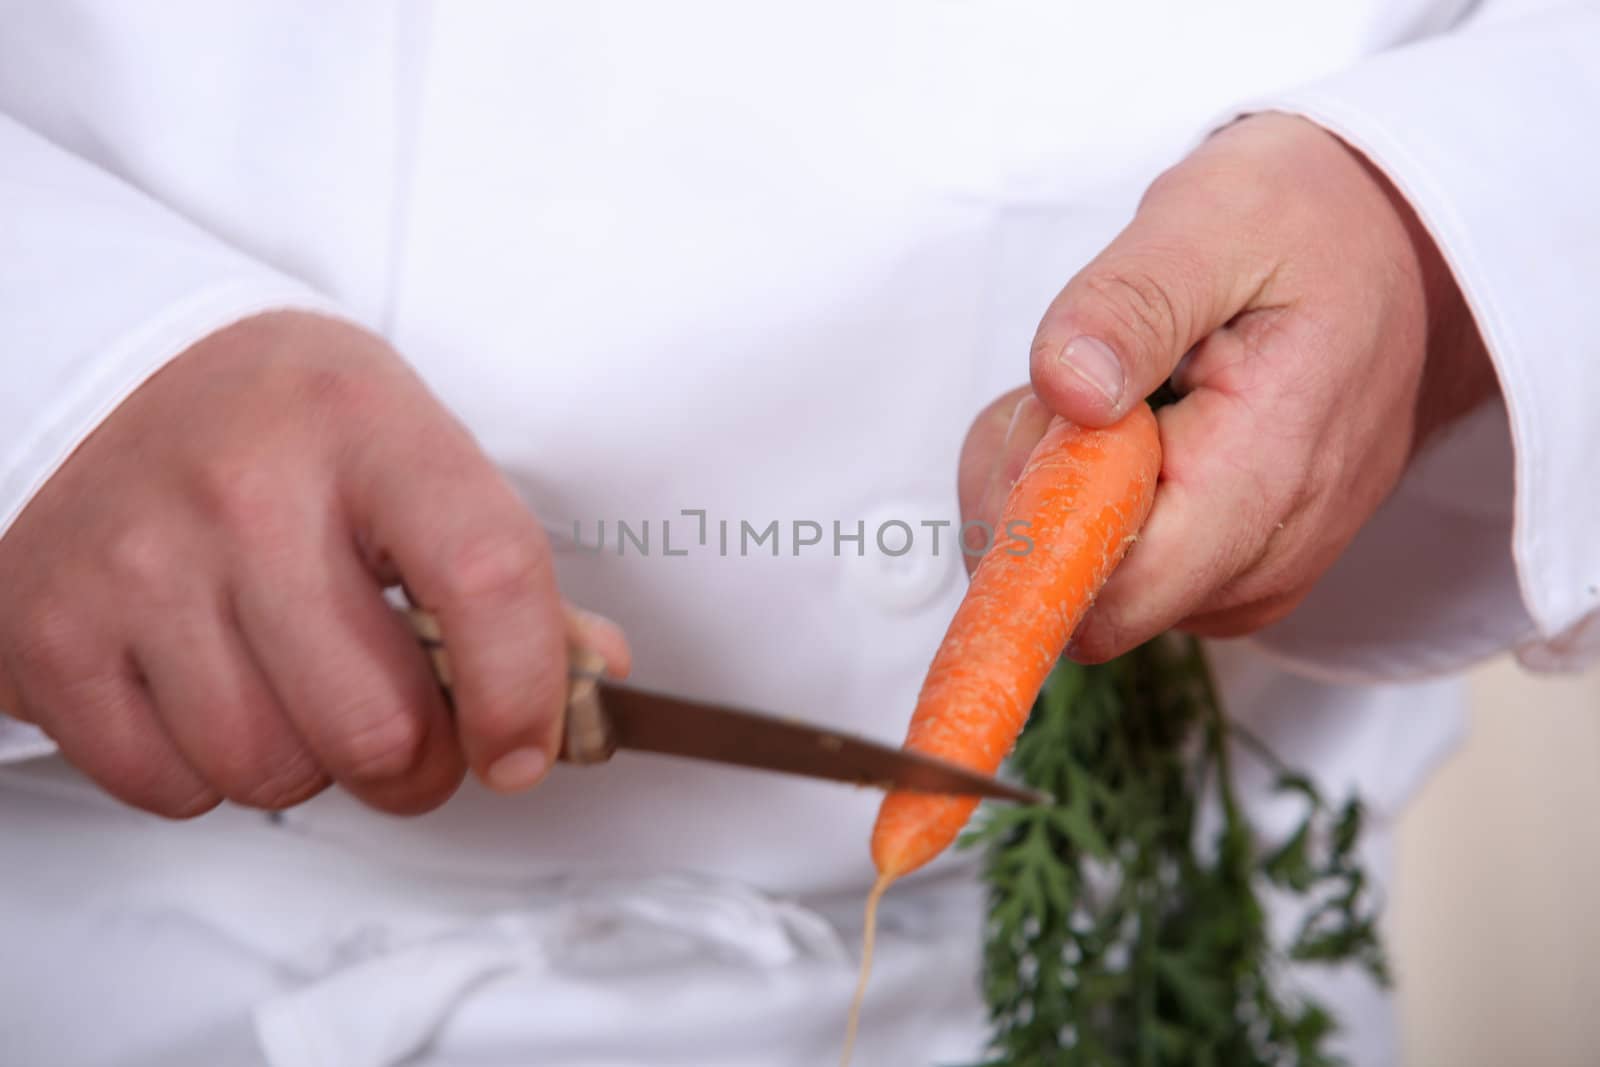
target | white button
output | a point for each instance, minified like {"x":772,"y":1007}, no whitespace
{"x":897,"y":568}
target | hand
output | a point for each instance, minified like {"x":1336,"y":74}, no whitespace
{"x":194,"y":609}
{"x":1318,"y":339}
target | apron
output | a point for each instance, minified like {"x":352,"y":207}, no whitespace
{"x":338,"y":937}
{"x":238,"y":940}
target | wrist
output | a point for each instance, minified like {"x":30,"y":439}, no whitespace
{"x":1457,"y":374}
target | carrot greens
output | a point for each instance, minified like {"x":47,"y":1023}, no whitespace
{"x":1118,"y":933}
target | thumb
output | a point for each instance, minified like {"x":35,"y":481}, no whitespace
{"x":1115,"y":333}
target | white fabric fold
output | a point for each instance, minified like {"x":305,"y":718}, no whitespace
{"x":384,"y":1009}
{"x":377,"y":993}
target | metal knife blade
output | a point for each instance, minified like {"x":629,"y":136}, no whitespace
{"x":650,"y":722}
{"x":602,"y":718}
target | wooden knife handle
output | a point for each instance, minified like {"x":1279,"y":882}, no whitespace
{"x":586,"y":737}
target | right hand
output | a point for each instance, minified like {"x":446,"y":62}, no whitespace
{"x":193,"y":606}
{"x":1318,"y":339}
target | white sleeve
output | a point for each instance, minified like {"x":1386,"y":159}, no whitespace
{"x":99,"y":287}
{"x":1493,"y":539}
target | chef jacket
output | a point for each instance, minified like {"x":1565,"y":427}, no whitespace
{"x":728,"y":277}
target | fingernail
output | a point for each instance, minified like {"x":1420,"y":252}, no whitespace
{"x":1011,"y":427}
{"x":585,"y":625}
{"x":517,"y":770}
{"x":1001,"y":477}
{"x":1092,"y":360}
{"x":594,"y":618}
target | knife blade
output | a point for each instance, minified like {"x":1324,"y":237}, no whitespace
{"x":652,"y":722}
{"x":603,"y":718}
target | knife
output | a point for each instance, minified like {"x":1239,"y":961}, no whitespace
{"x":603,"y":718}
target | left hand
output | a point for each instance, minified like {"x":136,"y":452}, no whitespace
{"x":1325,"y":341}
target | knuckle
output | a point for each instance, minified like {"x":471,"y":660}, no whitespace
{"x":1142,"y":305}
{"x":383,"y":743}
{"x":495,"y":564}
{"x":241,"y":494}
{"x":348,"y":392}
{"x":334,"y":387}
{"x":141,"y":558}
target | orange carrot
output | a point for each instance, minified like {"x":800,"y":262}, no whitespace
{"x":1077,"y":506}
{"x":1068,"y":521}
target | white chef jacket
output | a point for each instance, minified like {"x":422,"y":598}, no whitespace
{"x":723,"y":262}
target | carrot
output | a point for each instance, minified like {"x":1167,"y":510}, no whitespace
{"x":1068,"y":521}
{"x":1078,"y":505}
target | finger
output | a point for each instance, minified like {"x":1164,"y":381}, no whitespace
{"x":585,"y":629}
{"x":1182,"y":268}
{"x":352,"y":680}
{"x":474,"y":555}
{"x":11,"y":698}
{"x":1029,"y":421}
{"x":1211,"y":520}
{"x":102,"y":719}
{"x":981,"y":449}
{"x":220,"y":712}
{"x":1247,"y":618}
